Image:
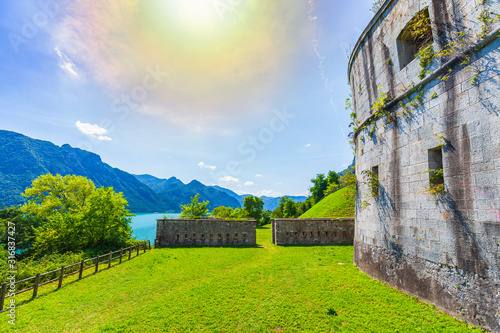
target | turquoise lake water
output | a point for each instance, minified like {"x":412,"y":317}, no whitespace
{"x":144,"y":225}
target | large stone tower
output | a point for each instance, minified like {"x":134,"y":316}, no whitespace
{"x":425,"y":84}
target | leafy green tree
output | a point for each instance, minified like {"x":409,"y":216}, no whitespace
{"x":195,"y":210}
{"x":71,"y":215}
{"x":320,"y":184}
{"x":223,"y":212}
{"x":348,"y":178}
{"x":108,"y":220}
{"x":266,"y":217}
{"x":24,"y":228}
{"x":303,"y":207}
{"x":290,"y":209}
{"x":50,"y":195}
{"x":253,"y":207}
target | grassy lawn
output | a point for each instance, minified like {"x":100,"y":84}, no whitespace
{"x":337,"y":204}
{"x":254,"y":289}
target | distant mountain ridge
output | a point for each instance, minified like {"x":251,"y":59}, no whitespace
{"x":22,"y":159}
{"x":173,"y":189}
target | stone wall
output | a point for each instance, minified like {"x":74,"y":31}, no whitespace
{"x":312,"y":231}
{"x":205,"y":232}
{"x":444,"y":248}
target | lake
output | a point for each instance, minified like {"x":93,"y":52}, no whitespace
{"x":144,"y":225}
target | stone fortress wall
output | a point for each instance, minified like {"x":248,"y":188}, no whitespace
{"x":443,"y":248}
{"x":312,"y":231}
{"x":205,"y":232}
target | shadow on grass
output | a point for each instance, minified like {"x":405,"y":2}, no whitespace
{"x":72,"y":279}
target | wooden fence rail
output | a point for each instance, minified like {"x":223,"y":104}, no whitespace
{"x":66,"y":271}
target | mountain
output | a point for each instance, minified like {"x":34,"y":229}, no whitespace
{"x":22,"y":159}
{"x":157,"y":184}
{"x":173,"y":189}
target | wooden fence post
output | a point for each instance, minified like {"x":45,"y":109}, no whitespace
{"x":37,"y":282}
{"x":61,"y":278}
{"x":2,"y":297}
{"x":149,"y":245}
{"x":121,"y":254}
{"x":81,"y":269}
{"x":137,"y":250}
{"x":109,"y":260}
{"x":129,"y":252}
{"x":97,"y":263}
{"x":145,"y":246}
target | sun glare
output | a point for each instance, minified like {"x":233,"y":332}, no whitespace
{"x":195,"y":15}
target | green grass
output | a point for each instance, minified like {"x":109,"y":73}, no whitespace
{"x":337,"y":204}
{"x":253,"y":289}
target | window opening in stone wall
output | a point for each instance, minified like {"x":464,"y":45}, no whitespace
{"x":326,"y":233}
{"x":436,"y":174}
{"x":375,"y":186}
{"x":416,"y":35}
{"x":319,"y":233}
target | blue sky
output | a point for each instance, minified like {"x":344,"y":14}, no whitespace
{"x":248,"y":95}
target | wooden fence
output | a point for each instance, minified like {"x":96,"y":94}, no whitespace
{"x":66,"y":271}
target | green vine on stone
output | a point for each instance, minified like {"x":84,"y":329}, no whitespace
{"x":372,"y":182}
{"x":436,"y":182}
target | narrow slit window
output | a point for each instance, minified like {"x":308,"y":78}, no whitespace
{"x":416,"y":36}
{"x":436,"y":173}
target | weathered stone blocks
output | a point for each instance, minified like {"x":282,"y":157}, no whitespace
{"x":205,"y":232}
{"x":407,"y":238}
{"x":313,"y":231}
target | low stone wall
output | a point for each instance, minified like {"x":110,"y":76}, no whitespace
{"x":313,"y":231}
{"x":204,"y":232}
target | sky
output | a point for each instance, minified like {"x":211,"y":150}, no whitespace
{"x":244,"y":94}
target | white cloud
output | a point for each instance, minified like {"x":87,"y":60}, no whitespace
{"x":308,"y":145}
{"x":259,"y":175}
{"x":66,"y":63}
{"x":229,"y":179}
{"x":93,"y":130}
{"x":249,"y":184}
{"x":202,"y":165}
{"x":279,"y":183}
{"x":269,"y":193}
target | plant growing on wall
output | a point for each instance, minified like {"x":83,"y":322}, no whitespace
{"x":372,"y":182}
{"x":436,"y":182}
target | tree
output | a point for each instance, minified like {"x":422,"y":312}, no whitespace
{"x":50,"y":195}
{"x":348,"y":178}
{"x":72,"y":215}
{"x":319,"y":187}
{"x":222,"y":212}
{"x":289,"y":209}
{"x":25,"y":228}
{"x":377,"y":4}
{"x":253,"y":207}
{"x":195,"y":210}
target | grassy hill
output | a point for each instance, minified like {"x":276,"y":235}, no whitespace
{"x":254,"y":289}
{"x":337,"y":204}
